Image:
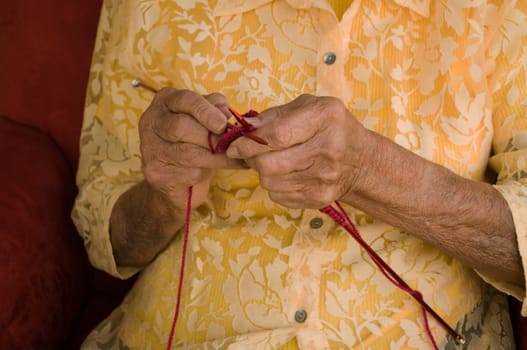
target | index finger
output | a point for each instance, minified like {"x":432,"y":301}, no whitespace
{"x":188,"y":102}
{"x":288,"y":125}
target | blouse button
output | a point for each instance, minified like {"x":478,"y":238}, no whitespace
{"x":316,"y":223}
{"x":300,"y":316}
{"x":329,"y":58}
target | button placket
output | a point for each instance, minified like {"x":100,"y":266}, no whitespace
{"x":332,"y":54}
{"x":304,"y":278}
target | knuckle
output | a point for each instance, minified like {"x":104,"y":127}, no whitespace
{"x":152,"y":175}
{"x":334,"y":152}
{"x":260,"y":165}
{"x":333,"y":107}
{"x":187,"y":155}
{"x":278,"y":198}
{"x":165,"y":91}
{"x":174,"y":128}
{"x":304,"y":97}
{"x":330,"y":176}
{"x":184,"y":95}
{"x":282,"y":136}
{"x":217,"y":99}
{"x":193,"y":174}
{"x":163,"y":95}
{"x":331,"y":102}
{"x":174,"y":99}
{"x":267,"y":165}
{"x":326,"y":197}
{"x":266,"y":182}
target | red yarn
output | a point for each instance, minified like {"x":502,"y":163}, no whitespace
{"x":226,"y":139}
{"x":340,"y":216}
{"x":182,"y":269}
{"x":233,"y":132}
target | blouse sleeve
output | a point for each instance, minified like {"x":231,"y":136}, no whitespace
{"x":109,"y":162}
{"x":509,"y":89}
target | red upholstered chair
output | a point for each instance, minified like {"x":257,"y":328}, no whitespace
{"x":50,"y":297}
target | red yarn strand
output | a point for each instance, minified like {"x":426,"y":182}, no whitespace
{"x":181,"y":270}
{"x":344,"y":221}
{"x":339,"y":216}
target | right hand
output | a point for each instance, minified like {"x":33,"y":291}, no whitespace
{"x":174,"y":144}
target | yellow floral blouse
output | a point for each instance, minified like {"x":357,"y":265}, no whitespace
{"x":445,"y":79}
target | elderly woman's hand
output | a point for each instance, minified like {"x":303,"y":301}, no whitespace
{"x":175,"y":153}
{"x":318,"y":152}
{"x":174,"y":146}
{"x":315,"y":155}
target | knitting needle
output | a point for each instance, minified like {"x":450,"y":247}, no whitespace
{"x":136,"y":83}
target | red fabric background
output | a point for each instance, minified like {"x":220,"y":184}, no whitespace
{"x":49,"y":297}
{"x":39,"y":257}
{"x":45,"y":54}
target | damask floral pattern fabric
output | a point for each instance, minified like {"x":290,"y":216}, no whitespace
{"x":445,"y":79}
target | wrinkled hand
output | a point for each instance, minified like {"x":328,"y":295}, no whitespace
{"x":174,"y":147}
{"x":315,"y":152}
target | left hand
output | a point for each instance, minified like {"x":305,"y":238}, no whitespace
{"x":318,"y":152}
{"x":315,"y":151}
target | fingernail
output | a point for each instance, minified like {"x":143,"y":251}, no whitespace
{"x":218,"y":125}
{"x":256,"y":122}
